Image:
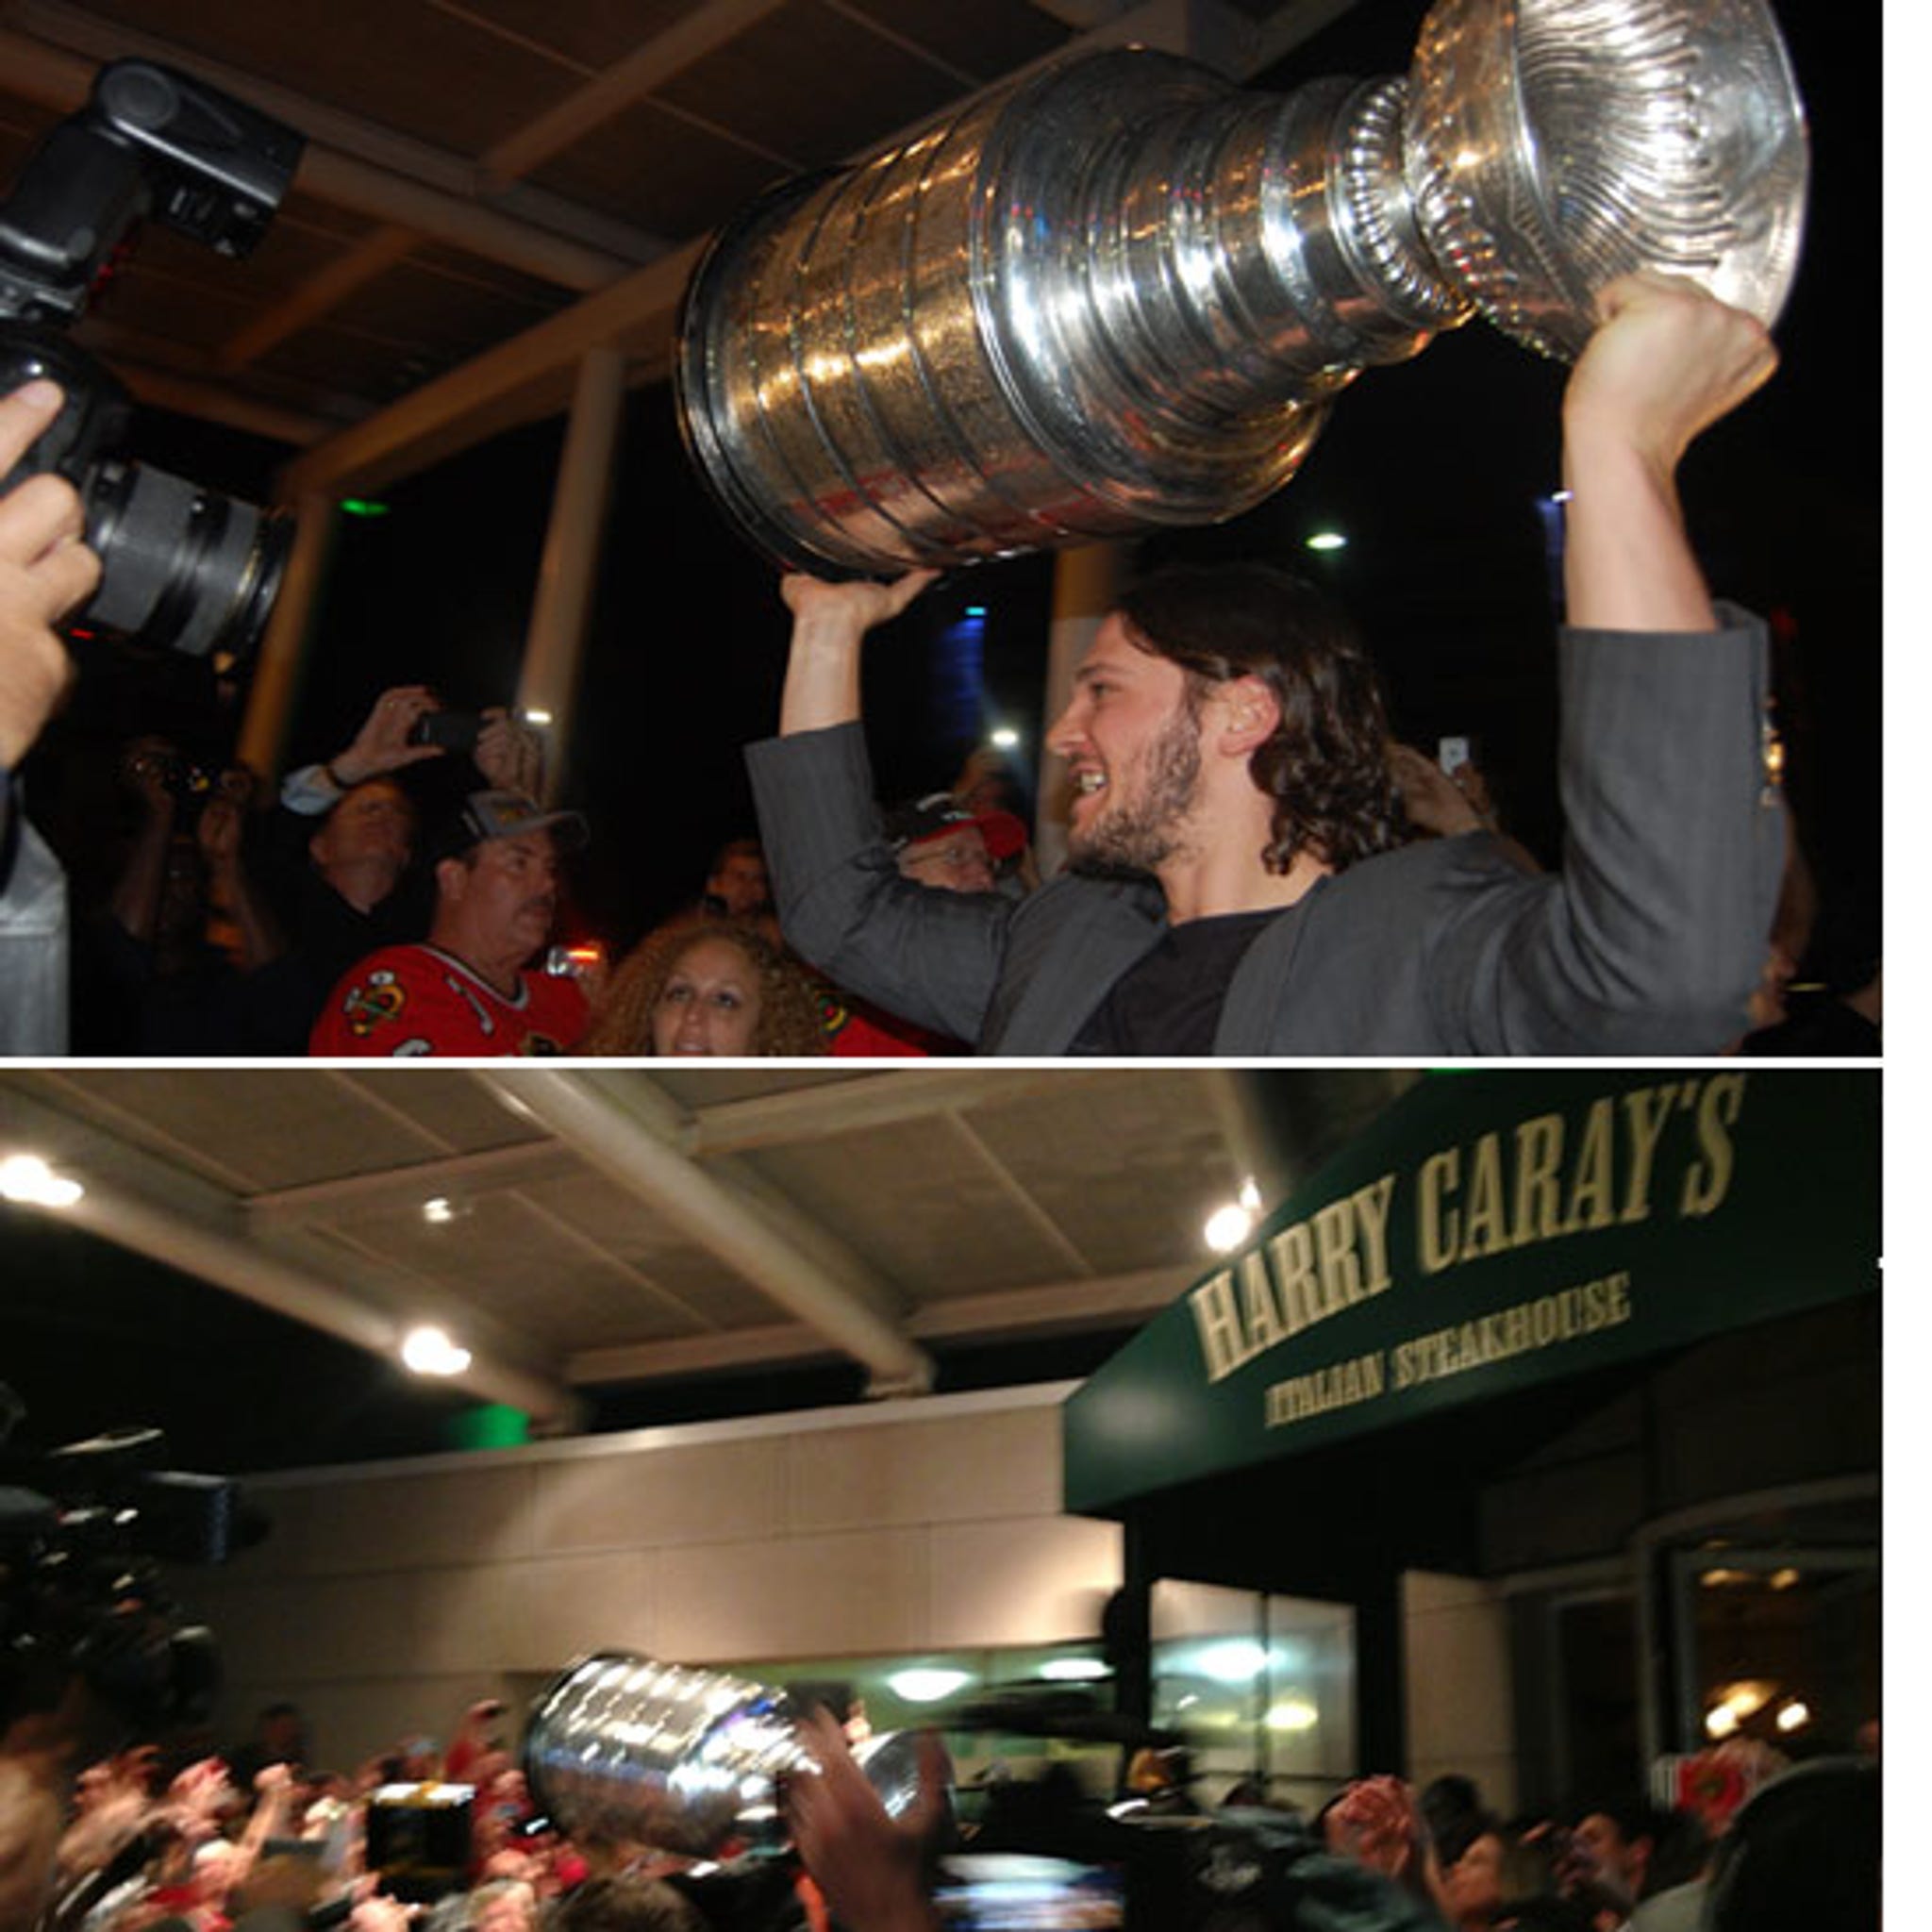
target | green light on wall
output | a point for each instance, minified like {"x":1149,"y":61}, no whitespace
{"x":361,"y":506}
{"x":495,"y":1425}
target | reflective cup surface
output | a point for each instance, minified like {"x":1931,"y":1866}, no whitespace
{"x":1122,"y":294}
{"x":620,"y":1747}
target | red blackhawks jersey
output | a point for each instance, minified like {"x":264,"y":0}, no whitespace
{"x":407,"y":1001}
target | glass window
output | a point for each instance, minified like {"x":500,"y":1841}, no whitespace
{"x":1263,"y":1685}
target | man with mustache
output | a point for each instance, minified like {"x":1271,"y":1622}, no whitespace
{"x":1239,"y":882}
{"x":464,"y":991}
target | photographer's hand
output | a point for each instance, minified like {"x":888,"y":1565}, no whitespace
{"x":383,"y":743}
{"x":45,"y":571}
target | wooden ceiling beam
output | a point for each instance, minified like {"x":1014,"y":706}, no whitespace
{"x":622,"y":85}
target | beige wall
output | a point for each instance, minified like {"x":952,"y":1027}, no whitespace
{"x":389,"y":1597}
{"x":1460,"y":1708}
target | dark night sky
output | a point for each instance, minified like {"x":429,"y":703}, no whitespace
{"x":1433,"y":467}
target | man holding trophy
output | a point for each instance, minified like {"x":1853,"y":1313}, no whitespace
{"x":1122,"y":295}
{"x":1649,"y":940}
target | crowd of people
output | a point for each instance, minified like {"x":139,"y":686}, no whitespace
{"x":258,"y":1840}
{"x":1254,"y":866}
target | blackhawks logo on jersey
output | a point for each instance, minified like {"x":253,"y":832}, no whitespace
{"x":373,"y":1000}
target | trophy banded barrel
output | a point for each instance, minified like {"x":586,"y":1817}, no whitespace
{"x":1123,"y":293}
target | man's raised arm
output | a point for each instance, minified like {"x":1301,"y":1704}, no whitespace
{"x":1666,"y":362}
{"x":1655,"y":930}
{"x":828,"y":626}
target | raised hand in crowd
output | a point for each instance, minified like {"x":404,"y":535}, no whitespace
{"x":1444,"y":806}
{"x":383,"y":745}
{"x":247,"y":930}
{"x":1436,"y":801}
{"x":510,"y":753}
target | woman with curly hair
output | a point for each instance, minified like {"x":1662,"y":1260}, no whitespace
{"x":719,"y":988}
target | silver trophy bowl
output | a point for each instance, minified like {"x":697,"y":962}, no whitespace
{"x":1553,"y":145}
{"x":1122,"y":294}
{"x":623,"y":1749}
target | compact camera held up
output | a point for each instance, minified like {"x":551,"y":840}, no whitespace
{"x":183,"y":567}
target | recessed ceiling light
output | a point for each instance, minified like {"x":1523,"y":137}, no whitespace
{"x":430,"y":1352}
{"x":1227,"y":1227}
{"x":28,"y":1179}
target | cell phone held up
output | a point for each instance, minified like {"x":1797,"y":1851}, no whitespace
{"x":454,"y":731}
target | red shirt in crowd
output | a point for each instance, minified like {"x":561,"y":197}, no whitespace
{"x":408,"y":1001}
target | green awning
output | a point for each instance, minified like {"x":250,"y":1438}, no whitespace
{"x":1491,"y":1233}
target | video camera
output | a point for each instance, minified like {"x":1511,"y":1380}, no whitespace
{"x":83,"y":1532}
{"x":1045,"y":1853}
{"x":183,"y":567}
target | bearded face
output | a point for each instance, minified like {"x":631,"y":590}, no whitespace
{"x":1131,"y":738}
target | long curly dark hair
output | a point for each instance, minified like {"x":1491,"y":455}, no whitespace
{"x":789,"y":1024}
{"x":1325,"y":766}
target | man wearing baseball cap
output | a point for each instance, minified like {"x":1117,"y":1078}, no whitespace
{"x":939,"y":842}
{"x":464,"y":991}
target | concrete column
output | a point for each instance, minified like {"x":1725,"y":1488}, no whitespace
{"x":567,"y":576}
{"x":284,"y":654}
{"x":1085,"y":584}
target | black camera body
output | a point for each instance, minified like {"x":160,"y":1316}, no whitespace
{"x":1043,"y":1853}
{"x":1033,"y":1855}
{"x":83,"y":1533}
{"x":182,"y":567}
{"x":454,"y":731}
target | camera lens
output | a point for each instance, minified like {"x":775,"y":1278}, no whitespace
{"x":182,"y":568}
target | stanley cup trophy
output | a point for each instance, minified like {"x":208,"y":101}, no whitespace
{"x":1122,"y":294}
{"x":623,"y":1748}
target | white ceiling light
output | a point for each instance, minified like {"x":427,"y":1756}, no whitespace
{"x":430,"y":1352}
{"x":28,"y":1179}
{"x":1227,"y":1227}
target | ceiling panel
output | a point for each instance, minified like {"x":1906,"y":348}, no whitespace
{"x":976,"y":1204}
{"x":1130,"y":1172}
{"x":662,"y":172}
{"x":445,"y":313}
{"x":812,"y":84}
{"x":591,"y":33}
{"x":422,"y":69}
{"x":252,"y":1123}
{"x":447,"y":1106}
{"x":923,"y":1207}
{"x":985,"y":39}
